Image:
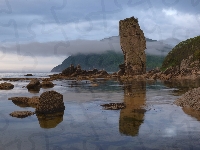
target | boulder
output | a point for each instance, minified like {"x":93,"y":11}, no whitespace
{"x":50,"y":102}
{"x":29,"y":74}
{"x":6,"y":86}
{"x":34,"y":84}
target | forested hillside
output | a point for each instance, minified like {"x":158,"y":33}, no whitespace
{"x":189,"y":47}
{"x":108,"y":61}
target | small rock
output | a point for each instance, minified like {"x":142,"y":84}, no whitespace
{"x":34,"y":84}
{"x":114,"y":106}
{"x":29,"y":74}
{"x":21,"y":114}
{"x":6,"y":86}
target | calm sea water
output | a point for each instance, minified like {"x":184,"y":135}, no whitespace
{"x":149,"y":121}
{"x":22,"y":75}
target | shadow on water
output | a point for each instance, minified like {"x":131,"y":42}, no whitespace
{"x":132,"y":116}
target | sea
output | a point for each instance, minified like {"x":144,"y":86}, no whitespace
{"x":150,"y":120}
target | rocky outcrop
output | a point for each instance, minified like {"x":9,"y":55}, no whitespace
{"x":133,"y":45}
{"x":190,"y":99}
{"x":50,"y":102}
{"x":77,"y":73}
{"x":33,"y":85}
{"x":121,"y":72}
{"x":6,"y":86}
{"x":188,"y":69}
{"x":21,"y":114}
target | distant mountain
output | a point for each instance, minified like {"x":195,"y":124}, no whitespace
{"x":109,"y":61}
{"x":171,"y":41}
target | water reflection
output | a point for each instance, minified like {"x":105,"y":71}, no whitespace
{"x":182,"y":85}
{"x":192,"y":112}
{"x":36,"y":90}
{"x":133,"y":115}
{"x":50,"y":120}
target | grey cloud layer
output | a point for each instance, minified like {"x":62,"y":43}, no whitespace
{"x":62,"y":48}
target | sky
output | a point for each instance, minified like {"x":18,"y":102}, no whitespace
{"x":36,"y":35}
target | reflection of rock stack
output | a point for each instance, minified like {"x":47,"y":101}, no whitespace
{"x":133,"y":115}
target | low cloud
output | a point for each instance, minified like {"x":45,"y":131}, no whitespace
{"x":61,"y":48}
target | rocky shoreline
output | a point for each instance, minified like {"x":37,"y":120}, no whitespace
{"x":190,"y":99}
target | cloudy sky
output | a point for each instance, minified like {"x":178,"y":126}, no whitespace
{"x":36,"y":35}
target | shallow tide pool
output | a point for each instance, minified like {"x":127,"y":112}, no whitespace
{"x":149,"y":121}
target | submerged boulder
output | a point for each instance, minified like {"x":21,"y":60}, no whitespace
{"x":6,"y":86}
{"x":50,"y":102}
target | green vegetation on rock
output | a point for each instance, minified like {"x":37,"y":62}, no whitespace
{"x":182,"y":51}
{"x":109,"y":61}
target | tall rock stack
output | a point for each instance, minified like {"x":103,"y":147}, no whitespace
{"x":133,"y":45}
